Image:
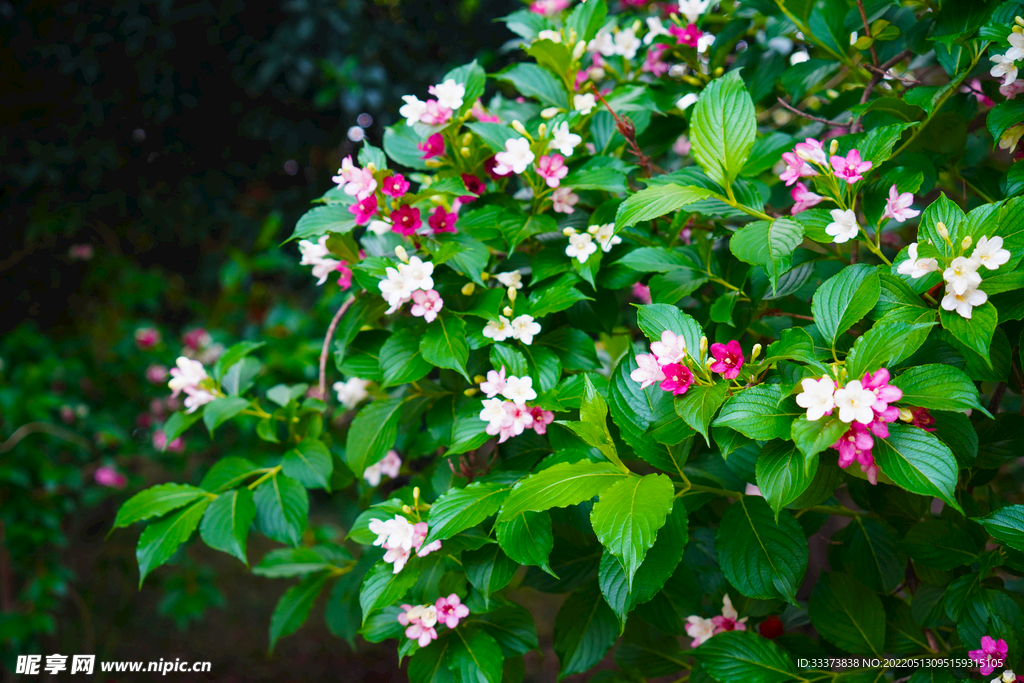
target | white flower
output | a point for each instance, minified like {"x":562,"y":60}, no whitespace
{"x":854,"y":403}
{"x":511,"y":278}
{"x":648,"y":370}
{"x":389,"y":465}
{"x":705,"y":41}
{"x":519,"y":389}
{"x":493,"y":412}
{"x":654,"y":29}
{"x":1011,"y":136}
{"x":843,"y":227}
{"x":563,"y":140}
{"x":393,"y":533}
{"x":729,"y":612}
{"x":798,"y":57}
{"x":196,"y":397}
{"x":962,"y":274}
{"x":817,"y":397}
{"x":603,"y":42}
{"x":699,"y":629}
{"x":915,"y":267}
{"x":1016,"y":51}
{"x":965,"y":302}
{"x":671,"y":348}
{"x":524,"y":328}
{"x":372,"y":474}
{"x":548,"y":34}
{"x":1007,"y":677}
{"x":394,"y":288}
{"x":693,"y":9}
{"x":686,"y":101}
{"x":417,"y":274}
{"x":990,"y":252}
{"x":398,"y":556}
{"x":581,"y":246}
{"x":499,"y":330}
{"x":413,"y":109}
{"x":1003,"y":68}
{"x":584,"y":103}
{"x":563,"y":199}
{"x":352,"y":392}
{"x":626,"y":43}
{"x":605,"y":236}
{"x":380,"y":227}
{"x":516,"y":158}
{"x":316,"y":255}
{"x":189,"y":373}
{"x":449,"y":94}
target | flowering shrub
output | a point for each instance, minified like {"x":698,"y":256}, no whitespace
{"x":621,"y":333}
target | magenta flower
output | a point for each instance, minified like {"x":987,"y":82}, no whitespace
{"x":156,"y":374}
{"x":433,"y":147}
{"x":804,"y":198}
{"x":85,"y":252}
{"x":147,"y":337}
{"x":395,"y":185}
{"x":678,"y":378}
{"x":729,"y":619}
{"x":160,"y":442}
{"x":480,"y":114}
{"x":854,"y":440}
{"x":108,"y":476}
{"x":796,"y":168}
{"x":548,"y":8}
{"x":345,"y":275}
{"x":653,"y":63}
{"x":364,"y":209}
{"x":878,"y":384}
{"x":491,"y":168}
{"x":405,"y":220}
{"x":441,"y":221}
{"x":541,"y":419}
{"x":474,"y":185}
{"x":898,"y":205}
{"x":851,"y":168}
{"x":686,"y":36}
{"x":728,"y":359}
{"x":426,"y":304}
{"x":552,"y":168}
{"x":991,"y":655}
{"x":435,"y":115}
{"x":196,"y":338}
{"x":923,"y":419}
{"x":974,"y":88}
{"x":811,"y":150}
{"x":450,"y":610}
{"x":642,"y":292}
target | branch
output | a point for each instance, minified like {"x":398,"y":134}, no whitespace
{"x":44,"y":428}
{"x":626,"y":128}
{"x":827,"y":122}
{"x":867,"y":31}
{"x":876,"y":77}
{"x":327,"y":344}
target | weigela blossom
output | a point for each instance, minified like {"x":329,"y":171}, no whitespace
{"x":160,"y":442}
{"x":317,"y":255}
{"x":989,"y":252}
{"x":519,"y":389}
{"x":563,"y":200}
{"x":359,"y":182}
{"x":584,"y":103}
{"x":1011,"y":90}
{"x":449,"y":94}
{"x":524,"y":328}
{"x":817,"y":397}
{"x":516,"y":158}
{"x":605,"y":236}
{"x":671,"y":348}
{"x":581,"y":246}
{"x":548,"y":8}
{"x":389,"y":465}
{"x":1011,"y":137}
{"x":897,"y":207}
{"x":992,"y":654}
{"x":552,"y":168}
{"x":406,"y":220}
{"x":811,"y":150}
{"x":432,"y":147}
{"x":196,"y":339}
{"x":855,"y":446}
{"x":548,"y":34}
{"x":686,"y":36}
{"x":400,"y":538}
{"x":395,"y":289}
{"x":1006,"y":677}
{"x":494,"y":384}
{"x":450,"y":610}
{"x":804,"y":198}
{"x":563,"y":140}
{"x":796,"y":168}
{"x":442,"y":221}
{"x":843,"y":227}
{"x":690,"y":99}
{"x":156,"y":374}
{"x":188,"y":374}
{"x":1016,"y":51}
{"x":426,"y":304}
{"x":678,"y":378}
{"x":109,"y":476}
{"x":541,"y":419}
{"x":700,"y":629}
{"x":480,"y":114}
{"x":147,"y":337}
{"x":648,"y":370}
{"x":413,"y":109}
{"x":1004,"y":68}
{"x":962,"y":274}
{"x":855,"y":402}
{"x":352,"y":392}
{"x":729,"y":619}
{"x":435,"y":114}
{"x":878,"y":384}
{"x":499,"y":330}
{"x":654,"y":29}
{"x":474,"y":185}
{"x":915,"y":267}
{"x":364,"y":209}
{"x":417,"y":273}
{"x":395,"y":186}
{"x":850,"y":168}
{"x":693,"y":9}
{"x":965,"y":302}
{"x":420,"y":620}
{"x":511,"y":278}
{"x":728,"y":359}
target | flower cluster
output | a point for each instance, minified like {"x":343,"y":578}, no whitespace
{"x":864,"y":404}
{"x":421,"y":619}
{"x":991,"y":655}
{"x":412,"y":281}
{"x":583,"y":244}
{"x":961,"y":275}
{"x":435,"y":112}
{"x":511,"y":417}
{"x":390,"y":464}
{"x":1005,"y":65}
{"x":317,"y":254}
{"x":701,"y":629}
{"x":400,"y":537}
{"x":522,"y":328}
{"x":666,"y":365}
{"x":190,"y":377}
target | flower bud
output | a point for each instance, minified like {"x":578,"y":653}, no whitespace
{"x":485,"y":276}
{"x":1017,"y":29}
{"x":834,"y":147}
{"x":512,"y":293}
{"x":692,"y":80}
{"x":469,"y":288}
{"x":371,"y":167}
{"x":437,"y":199}
{"x":507,"y":311}
{"x":433,"y":163}
{"x":966,"y":244}
{"x":940,"y":228}
{"x":568,"y":232}
{"x":466,"y":139}
{"x":578,"y":51}
{"x":479,"y":379}
{"x":402,"y":255}
{"x":549,"y":113}
{"x":719,"y":71}
{"x":470,"y":392}
{"x":906,"y":415}
{"x":519,"y":127}
{"x":755,"y":352}
{"x":597,"y":73}
{"x":703,"y":346}
{"x":1019,"y":21}
{"x":802,"y":153}
{"x":542,"y":130}
{"x":416,"y":493}
{"x":464,"y":152}
{"x":406,"y":509}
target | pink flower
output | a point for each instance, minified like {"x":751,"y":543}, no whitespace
{"x":1009,"y":91}
{"x":81,"y":252}
{"x":653,"y":64}
{"x":541,"y":419}
{"x":878,"y":384}
{"x":491,"y":166}
{"x":442,"y":221}
{"x":804,"y":198}
{"x":641,"y":292}
{"x":552,"y":168}
{"x":678,"y":378}
{"x":395,"y":185}
{"x":728,"y":359}
{"x":686,"y":36}
{"x":480,"y":114}
{"x":548,"y":7}
{"x":196,"y":338}
{"x":856,"y":439}
{"x":648,"y":370}
{"x":450,"y":610}
{"x":435,"y":115}
{"x":811,"y":150}
{"x":364,"y":209}
{"x":391,"y":464}
{"x":405,"y":220}
{"x":974,"y":88}
{"x":729,"y":620}
{"x":156,"y":374}
{"x":923,"y":419}
{"x":850,"y":168}
{"x":433,"y":147}
{"x":991,"y":655}
{"x":361,"y":183}
{"x":147,"y":337}
{"x":160,"y":442}
{"x":474,"y":185}
{"x":898,"y":205}
{"x":563,"y":200}
{"x":345,"y":276}
{"x":108,"y":476}
{"x":517,"y":418}
{"x":495,"y":383}
{"x":796,"y":168}
{"x":426,"y":304}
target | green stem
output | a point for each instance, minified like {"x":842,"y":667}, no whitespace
{"x":269,"y":472}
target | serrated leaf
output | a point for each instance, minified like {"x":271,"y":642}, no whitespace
{"x":699,"y":404}
{"x":782,"y":475}
{"x":759,"y":412}
{"x":768,"y":244}
{"x":527,"y":538}
{"x":372,"y":434}
{"x":1006,"y":525}
{"x":475,"y":656}
{"x":844,"y":299}
{"x":220,"y":410}
{"x":560,"y":486}
{"x":938,"y":387}
{"x":585,"y":629}
{"x":382,"y":587}
{"x":282,"y":508}
{"x":310,"y":464}
{"x":444,"y":344}
{"x":847,"y":614}
{"x":225,"y":525}
{"x":293,"y":608}
{"x":160,"y":539}
{"x":459,"y":509}
{"x":918,"y":462}
{"x":156,"y":501}
{"x":745,"y":656}
{"x":657,"y":201}
{"x":723,"y":128}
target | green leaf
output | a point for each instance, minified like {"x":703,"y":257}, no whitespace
{"x":282,"y":507}
{"x":283,"y":394}
{"x":470,"y":75}
{"x":177,"y":424}
{"x":938,"y":387}
{"x":592,"y":426}
{"x":794,"y":344}
{"x":918,"y":462}
{"x":585,"y":629}
{"x":1002,"y":116}
{"x":160,"y":539}
{"x":324,"y":219}
{"x":942,"y":210}
{"x":656,"y":201}
{"x":744,"y":656}
{"x":527,"y":538}
{"x":284,"y":562}
{"x":511,"y":625}
{"x":225,"y":525}
{"x":938,"y":544}
{"x":401,"y":144}
{"x":884,"y":345}
{"x":761,"y":557}
{"x":781,"y":474}
{"x":560,"y":485}
{"x":723,"y":128}
{"x":156,"y":501}
{"x":976,"y":333}
{"x":382,"y":587}
{"x":699,"y":404}
{"x":234,"y":354}
{"x":870,"y":553}
{"x":554,"y":299}
{"x":372,"y":433}
{"x":444,"y":344}
{"x":220,"y":410}
{"x":227,"y":473}
{"x":587,"y":18}
{"x":628,"y":516}
{"x":310,"y":464}
{"x":760,"y":412}
{"x":654,"y":260}
{"x":459,"y":509}
{"x":475,"y":656}
{"x":844,"y":299}
{"x":489,"y":569}
{"x":534,"y":81}
{"x":401,"y":360}
{"x":1006,"y":525}
{"x":653,"y":319}
{"x":768,"y":244}
{"x":293,"y":608}
{"x":847,"y":614}
{"x":814,"y":437}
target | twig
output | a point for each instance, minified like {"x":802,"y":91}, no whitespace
{"x":805,"y":115}
{"x":910,"y":82}
{"x":876,"y":76}
{"x":327,"y":344}
{"x":44,"y":428}
{"x":867,"y":31}
{"x":997,"y":398}
{"x":626,"y":128}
